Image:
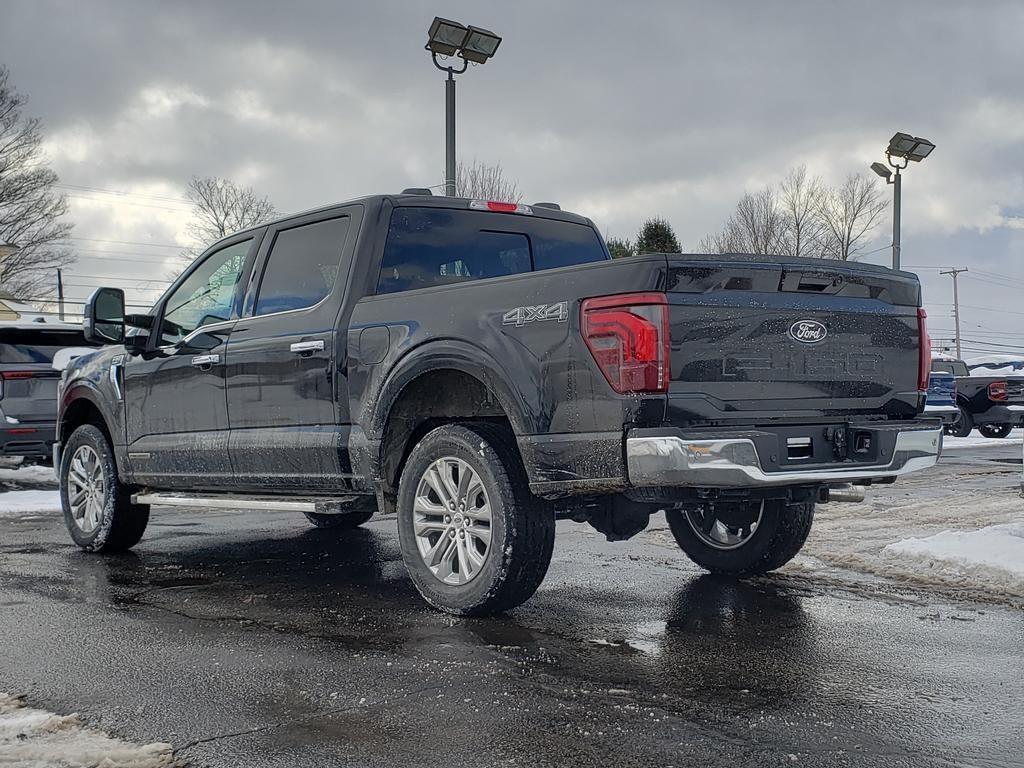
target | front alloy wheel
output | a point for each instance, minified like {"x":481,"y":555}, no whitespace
{"x":87,"y":489}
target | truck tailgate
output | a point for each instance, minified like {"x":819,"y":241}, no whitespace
{"x":788,"y":339}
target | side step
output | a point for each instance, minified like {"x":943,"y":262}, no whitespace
{"x":333,"y":506}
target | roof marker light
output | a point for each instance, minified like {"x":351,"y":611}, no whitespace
{"x":499,"y":207}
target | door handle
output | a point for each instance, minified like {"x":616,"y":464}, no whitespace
{"x":304,"y":347}
{"x":205,"y":361}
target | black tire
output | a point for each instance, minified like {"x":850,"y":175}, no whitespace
{"x":995,"y":430}
{"x":778,"y":537}
{"x":522,"y":527}
{"x":963,"y":425}
{"x":352,"y":518}
{"x":121,"y":524}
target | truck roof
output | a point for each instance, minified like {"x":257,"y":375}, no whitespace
{"x":426,"y":201}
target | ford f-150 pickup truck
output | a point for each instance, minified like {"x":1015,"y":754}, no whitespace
{"x":992,"y":404}
{"x":481,"y":369}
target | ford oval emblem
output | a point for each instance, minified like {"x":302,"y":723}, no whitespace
{"x":808,"y":331}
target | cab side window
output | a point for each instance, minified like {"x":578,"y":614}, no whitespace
{"x":303,"y":266}
{"x":206,"y":295}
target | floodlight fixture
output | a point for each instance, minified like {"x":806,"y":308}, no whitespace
{"x":480,"y":45}
{"x":912,"y":148}
{"x":446,"y":37}
{"x":882,"y":171}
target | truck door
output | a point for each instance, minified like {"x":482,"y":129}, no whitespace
{"x":176,"y":412}
{"x":287,"y":390}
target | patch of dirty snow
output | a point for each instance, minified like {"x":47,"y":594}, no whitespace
{"x":34,"y":738}
{"x":34,"y":475}
{"x":18,"y":503}
{"x":975,"y":440}
{"x":995,"y":552}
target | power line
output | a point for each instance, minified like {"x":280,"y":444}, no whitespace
{"x":122,"y":193}
{"x":126,"y":242}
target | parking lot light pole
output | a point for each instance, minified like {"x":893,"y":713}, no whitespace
{"x":905,"y":149}
{"x":472,"y":44}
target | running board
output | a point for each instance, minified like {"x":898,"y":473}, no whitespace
{"x":333,"y":506}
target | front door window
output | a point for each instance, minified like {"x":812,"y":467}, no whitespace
{"x":205,"y":296}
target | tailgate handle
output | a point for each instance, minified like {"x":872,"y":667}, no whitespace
{"x":812,"y":282}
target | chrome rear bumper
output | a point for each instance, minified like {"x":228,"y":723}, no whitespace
{"x":672,"y":460}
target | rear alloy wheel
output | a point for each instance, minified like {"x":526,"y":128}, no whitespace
{"x":474,"y":539}
{"x":742,"y":538}
{"x":995,"y":430}
{"x":97,"y":507}
{"x":962,"y":426}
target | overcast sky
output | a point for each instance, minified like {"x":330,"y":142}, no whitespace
{"x":616,"y":110}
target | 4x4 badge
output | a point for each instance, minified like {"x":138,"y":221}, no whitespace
{"x":540,"y":313}
{"x":808,"y":331}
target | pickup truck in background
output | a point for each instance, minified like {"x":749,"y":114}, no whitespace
{"x":483,"y":369}
{"x":992,"y":404}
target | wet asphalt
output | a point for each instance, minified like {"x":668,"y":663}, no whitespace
{"x":254,"y":640}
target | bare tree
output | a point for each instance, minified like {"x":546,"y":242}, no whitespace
{"x":222,"y":207}
{"x":849,"y":213}
{"x":31,"y":212}
{"x":219,"y":207}
{"x":479,"y":181}
{"x":800,"y":198}
{"x":758,"y":223}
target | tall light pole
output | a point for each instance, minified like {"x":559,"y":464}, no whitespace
{"x":472,"y":44}
{"x":905,"y":149}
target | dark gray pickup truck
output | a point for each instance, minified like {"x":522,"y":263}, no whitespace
{"x":482,"y":369}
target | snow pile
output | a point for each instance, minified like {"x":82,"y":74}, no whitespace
{"x":17,"y":503}
{"x":33,"y":738}
{"x":975,"y":440}
{"x":34,"y":475}
{"x":994,"y":554}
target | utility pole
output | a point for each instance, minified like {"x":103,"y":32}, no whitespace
{"x":953,"y":272}
{"x":60,"y":294}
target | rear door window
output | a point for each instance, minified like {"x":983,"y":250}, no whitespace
{"x":440,"y":246}
{"x":302,"y":267}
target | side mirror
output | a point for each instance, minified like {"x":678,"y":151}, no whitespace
{"x":104,"y":316}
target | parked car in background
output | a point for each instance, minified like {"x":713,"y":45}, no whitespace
{"x":994,"y":404}
{"x":941,"y":401}
{"x":32,"y":357}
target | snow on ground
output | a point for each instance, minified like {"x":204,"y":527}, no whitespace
{"x":996,"y":551}
{"x":19,"y":503}
{"x":34,"y":474}
{"x":975,"y":440}
{"x":34,"y":738}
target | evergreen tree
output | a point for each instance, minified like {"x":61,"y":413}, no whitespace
{"x":656,"y":236}
{"x":620,"y":247}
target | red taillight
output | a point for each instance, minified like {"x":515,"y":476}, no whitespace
{"x":924,"y":359}
{"x":9,"y":375}
{"x":997,"y":391}
{"x":22,"y":431}
{"x":628,"y":337}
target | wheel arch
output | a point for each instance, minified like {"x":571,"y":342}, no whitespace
{"x":459,"y":384}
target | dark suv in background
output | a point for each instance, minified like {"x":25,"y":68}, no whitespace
{"x":32,"y":356}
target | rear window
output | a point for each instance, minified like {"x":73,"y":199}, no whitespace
{"x":957,"y":368}
{"x":18,"y":345}
{"x":440,"y":246}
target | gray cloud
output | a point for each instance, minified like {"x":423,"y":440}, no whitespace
{"x":618,"y":110}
